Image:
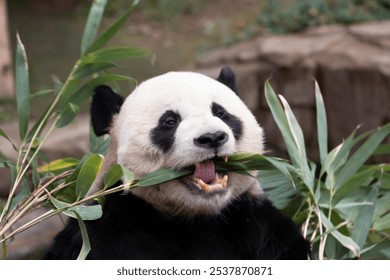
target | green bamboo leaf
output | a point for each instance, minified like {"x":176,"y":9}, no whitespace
{"x":42,"y":92}
{"x":59,"y":165}
{"x":343,"y":205}
{"x":161,"y":176}
{"x":113,"y":29}
{"x":92,"y":26}
{"x":23,"y":193}
{"x":87,"y":174}
{"x":361,"y":155}
{"x":358,"y":180}
{"x":86,"y":212}
{"x":305,"y":173}
{"x":58,"y":84}
{"x":382,"y":224}
{"x":382,"y":207}
{"x":86,"y":247}
{"x":339,"y":155}
{"x":113,"y":175}
{"x":82,"y":94}
{"x":67,"y":92}
{"x":5,"y":136}
{"x":295,"y":129}
{"x":364,"y":220}
{"x":67,"y":115}
{"x":40,"y":123}
{"x":22,"y":87}
{"x":322,"y":126}
{"x":378,"y":251}
{"x":282,"y":123}
{"x":383,"y":149}
{"x":111,"y":54}
{"x":98,"y":144}
{"x":85,"y":69}
{"x":346,"y":241}
{"x":127,"y":176}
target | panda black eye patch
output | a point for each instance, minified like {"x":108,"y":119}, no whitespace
{"x":163,"y":135}
{"x":232,"y":121}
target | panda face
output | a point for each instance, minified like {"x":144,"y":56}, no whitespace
{"x":179,"y":120}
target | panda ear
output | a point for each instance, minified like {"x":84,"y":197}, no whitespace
{"x":105,"y":105}
{"x":228,"y":78}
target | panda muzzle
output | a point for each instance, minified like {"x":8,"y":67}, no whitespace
{"x":206,"y":178}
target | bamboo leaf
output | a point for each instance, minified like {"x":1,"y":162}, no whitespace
{"x":82,"y":94}
{"x":67,"y":92}
{"x":22,"y":87}
{"x":5,"y":136}
{"x":86,"y":247}
{"x":86,"y":69}
{"x":322,"y":126}
{"x":295,"y":129}
{"x":58,"y":165}
{"x":346,"y":241}
{"x":24,"y":192}
{"x":98,"y":144}
{"x":354,"y":183}
{"x":299,"y":140}
{"x":382,"y":207}
{"x":113,"y":175}
{"x":67,"y":115}
{"x":127,"y":176}
{"x":383,"y":223}
{"x":88,"y":174}
{"x":86,"y":212}
{"x":161,"y":176}
{"x":282,"y":123}
{"x":113,"y":29}
{"x":364,"y":220}
{"x":383,"y":149}
{"x":111,"y":54}
{"x":361,"y":155}
{"x":92,"y":26}
{"x":42,"y":92}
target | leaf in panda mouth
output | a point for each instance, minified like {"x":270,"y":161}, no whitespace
{"x":162,"y":175}
{"x":239,"y":163}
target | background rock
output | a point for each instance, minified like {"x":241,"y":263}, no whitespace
{"x":350,"y":63}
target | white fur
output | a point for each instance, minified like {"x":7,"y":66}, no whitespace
{"x":191,"y":96}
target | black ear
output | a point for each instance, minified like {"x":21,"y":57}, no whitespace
{"x":227,"y":77}
{"x":105,"y":104}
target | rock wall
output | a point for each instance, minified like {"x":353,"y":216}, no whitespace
{"x":351,"y":65}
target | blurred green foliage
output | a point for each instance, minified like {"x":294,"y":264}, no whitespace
{"x":279,"y":16}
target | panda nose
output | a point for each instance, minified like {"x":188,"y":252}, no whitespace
{"x":211,"y":140}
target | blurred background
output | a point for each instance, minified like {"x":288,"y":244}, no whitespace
{"x":343,"y":44}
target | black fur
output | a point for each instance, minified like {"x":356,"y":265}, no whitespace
{"x":232,"y":121}
{"x":228,"y":78}
{"x":132,"y":229}
{"x":105,"y":104}
{"x":163,"y":135}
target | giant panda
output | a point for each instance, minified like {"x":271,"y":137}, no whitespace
{"x":177,"y":120}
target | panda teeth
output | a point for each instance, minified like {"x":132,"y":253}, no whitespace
{"x":219,"y":183}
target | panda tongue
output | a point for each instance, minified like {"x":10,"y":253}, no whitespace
{"x":205,"y":171}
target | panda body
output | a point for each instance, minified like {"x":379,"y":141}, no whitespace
{"x":180,"y":120}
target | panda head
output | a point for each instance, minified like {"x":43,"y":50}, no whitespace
{"x":178,"y":120}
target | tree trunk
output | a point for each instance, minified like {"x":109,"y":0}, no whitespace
{"x":6,"y":73}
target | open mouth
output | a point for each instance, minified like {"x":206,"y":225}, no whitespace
{"x":205,"y":178}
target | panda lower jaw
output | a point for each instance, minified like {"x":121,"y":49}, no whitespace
{"x":206,"y":179}
{"x":219,"y":183}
